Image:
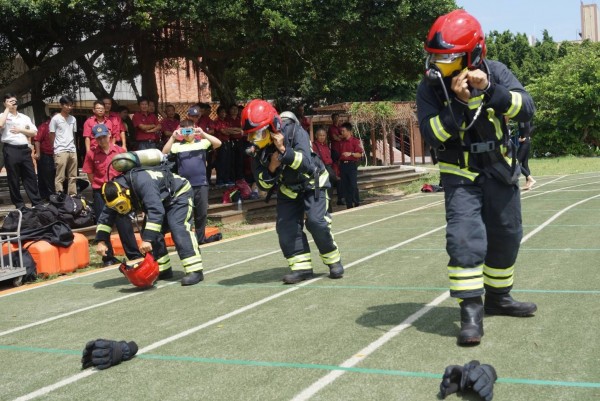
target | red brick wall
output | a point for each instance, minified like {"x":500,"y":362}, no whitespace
{"x":176,"y":85}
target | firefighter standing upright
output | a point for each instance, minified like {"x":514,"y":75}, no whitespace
{"x":163,"y":197}
{"x":461,"y":103}
{"x":284,"y":161}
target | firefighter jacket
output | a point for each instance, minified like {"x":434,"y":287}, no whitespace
{"x":151,"y":190}
{"x":486,"y":146}
{"x":300,"y":170}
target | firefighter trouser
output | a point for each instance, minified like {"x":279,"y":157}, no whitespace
{"x":483,"y":234}
{"x":178,"y":214}
{"x":290,"y":225}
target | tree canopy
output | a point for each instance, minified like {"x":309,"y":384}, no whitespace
{"x":283,"y":49}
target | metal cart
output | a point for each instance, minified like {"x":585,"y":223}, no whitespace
{"x":11,"y":264}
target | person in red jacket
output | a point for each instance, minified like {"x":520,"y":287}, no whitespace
{"x":321,"y":147}
{"x":351,"y":152}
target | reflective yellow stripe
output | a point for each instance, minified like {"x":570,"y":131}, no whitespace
{"x":323,"y":178}
{"x":288,"y":192}
{"x":453,"y":169}
{"x":475,"y":102}
{"x":155,"y":175}
{"x":191,"y":260}
{"x":297,"y":160}
{"x":494,"y":120}
{"x":462,"y":285}
{"x":455,"y":271}
{"x":498,"y":278}
{"x":104,"y":228}
{"x":516,"y":104}
{"x":299,"y":258}
{"x":262,"y":181}
{"x":331,"y":257}
{"x":184,"y":189}
{"x":153,"y":227}
{"x":164,"y":262}
{"x":507,"y":282}
{"x":490,"y":271}
{"x":438,"y":129}
{"x":301,"y":266}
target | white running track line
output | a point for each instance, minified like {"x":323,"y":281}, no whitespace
{"x":369,"y":349}
{"x":47,"y":389}
{"x":53,"y":282}
{"x":53,"y":318}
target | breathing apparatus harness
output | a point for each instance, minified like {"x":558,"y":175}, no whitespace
{"x":264,"y":158}
{"x":490,"y":148}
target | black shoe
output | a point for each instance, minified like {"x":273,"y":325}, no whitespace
{"x":165,"y":274}
{"x":504,"y":304}
{"x":297,"y":276}
{"x":471,"y":321}
{"x":336,"y":270}
{"x":110,"y":262}
{"x":192,"y":278}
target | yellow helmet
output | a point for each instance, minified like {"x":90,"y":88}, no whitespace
{"x":122,"y":202}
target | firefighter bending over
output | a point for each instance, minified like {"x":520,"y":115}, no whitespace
{"x":162,"y":196}
{"x":284,"y":162}
{"x":461,"y":105}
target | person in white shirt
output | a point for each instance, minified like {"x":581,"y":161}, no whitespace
{"x":62,"y":132}
{"x":16,"y":129}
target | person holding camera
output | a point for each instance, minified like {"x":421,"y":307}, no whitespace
{"x":284,"y":162}
{"x":16,"y":129}
{"x":462,"y":103}
{"x":189,"y":145}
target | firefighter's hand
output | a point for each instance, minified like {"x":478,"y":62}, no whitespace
{"x":101,"y":248}
{"x":145,"y":247}
{"x":278,"y":141}
{"x":477,"y":79}
{"x":274,"y":163}
{"x":460,"y":86}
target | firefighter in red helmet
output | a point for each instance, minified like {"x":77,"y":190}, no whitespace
{"x":461,"y":105}
{"x":284,"y":162}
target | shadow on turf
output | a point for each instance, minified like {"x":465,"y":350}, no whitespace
{"x":441,"y":320}
{"x":260,"y":277}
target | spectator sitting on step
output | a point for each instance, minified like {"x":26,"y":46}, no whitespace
{"x":189,"y":145}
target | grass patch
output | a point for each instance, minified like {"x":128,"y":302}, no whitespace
{"x":564,"y":165}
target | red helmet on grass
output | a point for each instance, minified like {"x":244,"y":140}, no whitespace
{"x":259,"y":120}
{"x":455,"y":41}
{"x":142,"y":274}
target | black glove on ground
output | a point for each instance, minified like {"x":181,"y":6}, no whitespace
{"x":480,"y":378}
{"x":471,"y":376}
{"x":106,"y":353}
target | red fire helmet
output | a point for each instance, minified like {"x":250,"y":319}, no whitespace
{"x":142,"y":274}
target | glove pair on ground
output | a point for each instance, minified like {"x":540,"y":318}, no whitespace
{"x":106,"y":353}
{"x":472,"y":376}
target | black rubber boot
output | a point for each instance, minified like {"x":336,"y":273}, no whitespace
{"x":471,"y":321}
{"x":165,"y":274}
{"x":192,"y":278}
{"x":336,"y":270}
{"x":504,"y":304}
{"x":297,"y":276}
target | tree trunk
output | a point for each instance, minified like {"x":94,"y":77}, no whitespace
{"x":147,"y":58}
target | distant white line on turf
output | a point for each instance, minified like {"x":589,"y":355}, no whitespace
{"x":246,"y":260}
{"x":232,"y":239}
{"x":369,"y":349}
{"x":47,"y":389}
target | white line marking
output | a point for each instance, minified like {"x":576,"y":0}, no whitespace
{"x":369,"y":349}
{"x":47,"y":389}
{"x":246,"y":260}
